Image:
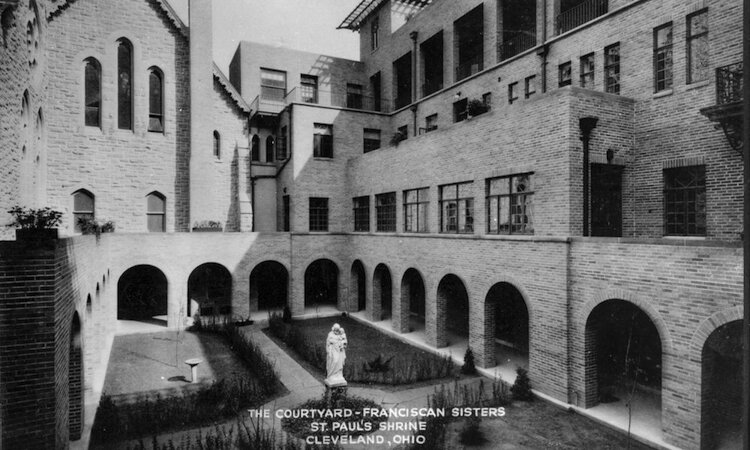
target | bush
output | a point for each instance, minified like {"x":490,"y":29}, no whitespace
{"x":37,"y":219}
{"x":521,"y":389}
{"x":93,"y":226}
{"x":379,"y":364}
{"x":469,"y":368}
{"x":287,"y":314}
{"x":471,"y":434}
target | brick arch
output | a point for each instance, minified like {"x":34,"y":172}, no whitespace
{"x":516,"y":284}
{"x":381,"y":272}
{"x":442,"y":274}
{"x":710,"y":325}
{"x":225,"y":296}
{"x":272,"y":286}
{"x":355,"y":288}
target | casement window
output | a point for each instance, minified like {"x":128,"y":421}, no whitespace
{"x":155,"y":100}
{"x":318,"y":214}
{"x":587,"y":71}
{"x":457,"y":208}
{"x":217,"y":145}
{"x":509,"y":205}
{"x":663,"y":58}
{"x":512,"y":92}
{"x":564,"y":74}
{"x":83,"y":208}
{"x":272,"y":85}
{"x":361,"y":213}
{"x":156,"y":210}
{"x":124,"y":84}
{"x":371,"y":138}
{"x":697,"y":47}
{"x":529,"y":86}
{"x":385,"y":211}
{"x":685,"y":201}
{"x":416,"y":204}
{"x":323,"y":141}
{"x":353,"y":96}
{"x":612,"y":68}
{"x":255,"y":148}
{"x":270,"y":148}
{"x":309,"y":88}
{"x":92,"y":93}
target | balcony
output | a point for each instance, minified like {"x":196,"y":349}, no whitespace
{"x":727,"y":112}
{"x":340,"y":100}
{"x":469,"y":67}
{"x":516,"y":43}
{"x":582,"y":12}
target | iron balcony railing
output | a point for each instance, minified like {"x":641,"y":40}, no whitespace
{"x":339,"y":99}
{"x":470,"y":67}
{"x":515,"y":43}
{"x":729,"y":84}
{"x":578,"y":15}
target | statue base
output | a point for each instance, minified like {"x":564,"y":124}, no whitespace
{"x":334,"y":393}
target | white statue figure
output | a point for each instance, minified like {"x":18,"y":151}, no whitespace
{"x":336,"y":355}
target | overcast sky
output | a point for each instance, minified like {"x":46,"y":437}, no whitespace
{"x":308,"y":25}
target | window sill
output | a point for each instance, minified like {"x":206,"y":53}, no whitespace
{"x":661,"y":94}
{"x":322,"y":158}
{"x":92,"y":130}
{"x":697,"y":85}
{"x":686,"y":238}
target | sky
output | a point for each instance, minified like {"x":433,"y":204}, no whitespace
{"x":308,"y":25}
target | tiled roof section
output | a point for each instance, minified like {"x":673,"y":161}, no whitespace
{"x":230,"y":91}
{"x":355,"y":18}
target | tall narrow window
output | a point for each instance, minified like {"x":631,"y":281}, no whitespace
{"x":270,"y":148}
{"x":529,"y":86}
{"x":612,"y":68}
{"x":93,"y":93}
{"x":587,"y":71}
{"x":281,"y":144}
{"x":83,"y":208}
{"x":318,"y":214}
{"x":416,"y":202}
{"x":353,"y":96}
{"x":402,"y":80}
{"x":697,"y":46}
{"x":375,"y":87}
{"x":323,"y":141}
{"x":374,"y":33}
{"x":286,"y":211}
{"x":509,"y":205}
{"x":155,"y":100}
{"x":217,"y":145}
{"x":468,"y":35}
{"x":456,"y":208}
{"x":564,"y":74}
{"x":362,"y":213}
{"x":685,"y":201}
{"x":385,"y":211}
{"x":156,"y":210}
{"x":512,"y":92}
{"x":124,"y":85}
{"x":371,"y":139}
{"x":309,"y":88}
{"x":255,"y":148}
{"x":663,"y":58}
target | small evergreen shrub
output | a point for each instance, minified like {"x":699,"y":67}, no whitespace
{"x":471,"y":433}
{"x":469,"y":368}
{"x":521,"y":389}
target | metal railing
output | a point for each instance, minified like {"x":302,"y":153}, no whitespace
{"x":729,"y":83}
{"x":339,"y":99}
{"x":469,"y":68}
{"x":516,"y":43}
{"x":578,"y":15}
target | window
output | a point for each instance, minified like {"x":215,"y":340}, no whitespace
{"x":385,"y":211}
{"x":281,"y":145}
{"x":685,"y":201}
{"x":323,"y":141}
{"x":217,"y":145}
{"x":286,"y":207}
{"x":156,"y":212}
{"x":468,"y":35}
{"x":309,"y":88}
{"x":416,"y":202}
{"x":124,"y":85}
{"x":663,"y":58}
{"x":375,"y":86}
{"x":371,"y":139}
{"x":402,"y":80}
{"x":318,"y":214}
{"x":431,"y":51}
{"x":270,"y":148}
{"x":93,"y":93}
{"x":564,"y":74}
{"x":431,"y":123}
{"x":255,"y":148}
{"x":353,"y":96}
{"x":529,"y":86}
{"x":83,"y":208}
{"x":697,"y":46}
{"x":457,"y":208}
{"x":509,"y":206}
{"x":612,"y":68}
{"x":587,"y":71}
{"x":374,"y":31}
{"x":487,"y":100}
{"x":403,"y":132}
{"x":460,"y":110}
{"x":272,"y":85}
{"x":155,"y":100}
{"x":512,"y":92}
{"x":362,"y":213}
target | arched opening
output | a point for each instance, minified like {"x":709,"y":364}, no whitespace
{"x":217,"y":145}
{"x":507,"y":320}
{"x":209,"y":290}
{"x":83,"y":209}
{"x":155,"y":100}
{"x":382,"y":291}
{"x":142,"y":295}
{"x":124,"y":84}
{"x":452,"y":295}
{"x":721,"y":388}
{"x":255,"y":148}
{"x":321,"y":283}
{"x":270,"y":148}
{"x":269,"y":282}
{"x":623,"y":363}
{"x":413,"y":298}
{"x":358,"y":285}
{"x":75,"y":380}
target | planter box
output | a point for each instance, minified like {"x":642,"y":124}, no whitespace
{"x":37,"y":238}
{"x":207,"y":230}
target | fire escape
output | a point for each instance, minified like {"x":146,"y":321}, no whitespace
{"x":727,"y":113}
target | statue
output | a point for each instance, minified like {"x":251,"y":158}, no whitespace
{"x":336,"y":355}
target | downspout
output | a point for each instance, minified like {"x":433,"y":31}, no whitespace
{"x":544,"y":49}
{"x":586,"y":125}
{"x":250,"y":171}
{"x":414,"y":77}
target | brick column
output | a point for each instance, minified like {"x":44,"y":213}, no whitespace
{"x":177,"y":301}
{"x":482,"y":332}
{"x":297,"y":293}
{"x":435,"y":317}
{"x":401,"y":306}
{"x":240,"y":294}
{"x":375,"y":305}
{"x":342,"y":301}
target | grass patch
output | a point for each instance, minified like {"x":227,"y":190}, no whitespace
{"x":371,"y":358}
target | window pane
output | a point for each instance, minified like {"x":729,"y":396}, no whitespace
{"x":448,"y":192}
{"x":155,"y":222}
{"x":93,"y":93}
{"x":155,"y":101}
{"x":124,"y":86}
{"x":492,"y":221}
{"x":155,"y":204}
{"x":465,"y":190}
{"x":82,"y":202}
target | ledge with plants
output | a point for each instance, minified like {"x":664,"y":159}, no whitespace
{"x":208,"y":226}
{"x":35,"y":224}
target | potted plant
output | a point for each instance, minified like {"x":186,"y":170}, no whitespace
{"x":93,"y":226}
{"x":207,"y":225}
{"x":475,"y":107}
{"x":35,"y":224}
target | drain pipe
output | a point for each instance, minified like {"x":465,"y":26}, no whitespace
{"x":587,"y":125}
{"x":414,"y":77}
{"x":544,"y":49}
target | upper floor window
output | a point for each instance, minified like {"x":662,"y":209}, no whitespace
{"x":92,"y":93}
{"x":371,"y":139}
{"x":272,"y":85}
{"x":374,"y":33}
{"x":577,"y":12}
{"x":587,"y":71}
{"x":318,"y":214}
{"x":431,"y":123}
{"x":612,"y":68}
{"x":460,"y":110}
{"x":270,"y":148}
{"x":529,"y":86}
{"x":416,"y":202}
{"x":285,"y":213}
{"x":457,"y":208}
{"x":509,"y":205}
{"x":663,"y":58}
{"x":469,"y":43}
{"x":156,"y":211}
{"x":385,"y":211}
{"x":564,"y":74}
{"x":375,"y":87}
{"x":323,"y":141}
{"x":217,"y":145}
{"x":155,"y":100}
{"x":309,"y":88}
{"x":83,"y":208}
{"x":353,"y":96}
{"x":124,"y":84}
{"x":281,"y":144}
{"x":512,"y":92}
{"x":685,"y":201}
{"x":402,"y":71}
{"x":697,"y":46}
{"x":255,"y":148}
{"x":432,"y":63}
{"x":361,"y":213}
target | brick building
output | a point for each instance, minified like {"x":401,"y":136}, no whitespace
{"x":542,"y":182}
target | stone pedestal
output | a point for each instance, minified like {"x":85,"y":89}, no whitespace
{"x":334,"y":393}
{"x":193,"y":363}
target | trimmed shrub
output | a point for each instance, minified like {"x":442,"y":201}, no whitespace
{"x":469,"y":368}
{"x":521,"y":389}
